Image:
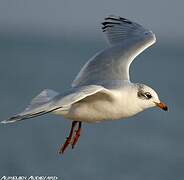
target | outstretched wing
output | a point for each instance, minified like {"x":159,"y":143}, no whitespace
{"x":49,"y":101}
{"x":127,"y":40}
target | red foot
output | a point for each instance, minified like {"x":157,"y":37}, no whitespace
{"x":77,"y":135}
{"x":68,"y":140}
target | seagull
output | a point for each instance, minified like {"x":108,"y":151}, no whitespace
{"x":102,"y":90}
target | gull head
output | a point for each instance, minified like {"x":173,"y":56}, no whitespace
{"x":147,"y":98}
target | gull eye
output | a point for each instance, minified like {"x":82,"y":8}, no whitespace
{"x":148,"y":95}
{"x":146,"y":33}
{"x":144,"y":95}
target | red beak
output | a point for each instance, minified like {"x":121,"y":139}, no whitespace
{"x":162,"y":106}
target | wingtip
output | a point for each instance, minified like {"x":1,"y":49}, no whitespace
{"x":111,"y":16}
{"x":117,"y":19}
{"x":10,"y":120}
{"x":3,"y":122}
{"x":112,"y":20}
{"x":7,"y":121}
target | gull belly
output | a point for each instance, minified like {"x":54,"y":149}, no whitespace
{"x":99,"y":108}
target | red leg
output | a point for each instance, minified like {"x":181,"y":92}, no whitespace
{"x":68,"y":139}
{"x":77,"y":135}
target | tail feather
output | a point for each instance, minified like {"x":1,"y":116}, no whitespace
{"x":37,"y":107}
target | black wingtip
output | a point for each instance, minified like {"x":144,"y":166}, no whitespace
{"x":118,"y":18}
{"x":112,"y":20}
{"x":104,"y":28}
{"x":110,"y":23}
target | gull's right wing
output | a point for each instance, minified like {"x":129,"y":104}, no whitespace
{"x":127,"y":40}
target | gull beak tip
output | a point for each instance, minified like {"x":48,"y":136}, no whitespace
{"x":162,"y":105}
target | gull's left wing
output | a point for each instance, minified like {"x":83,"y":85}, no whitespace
{"x":49,"y":101}
{"x":127,"y":39}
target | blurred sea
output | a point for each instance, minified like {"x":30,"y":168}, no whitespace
{"x":148,"y":146}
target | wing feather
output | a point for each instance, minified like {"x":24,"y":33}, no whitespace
{"x":118,"y":29}
{"x":59,"y":102}
{"x":127,"y":40}
{"x":77,"y":95}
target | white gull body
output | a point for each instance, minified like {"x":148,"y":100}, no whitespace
{"x":102,"y":90}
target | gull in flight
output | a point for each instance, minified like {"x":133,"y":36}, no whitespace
{"x":102,"y":90}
